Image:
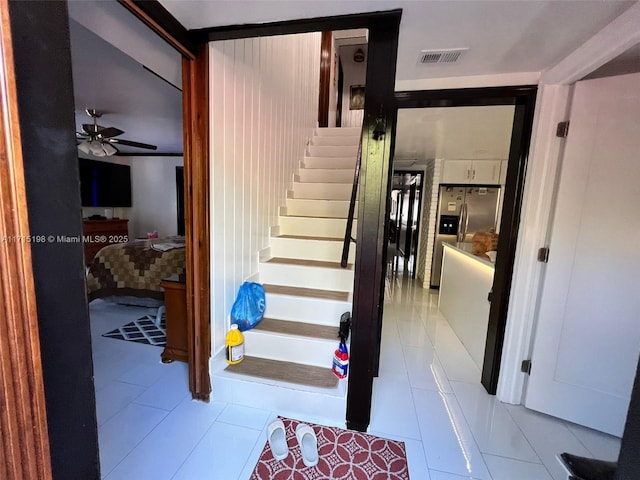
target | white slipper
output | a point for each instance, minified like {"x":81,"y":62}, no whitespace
{"x":277,"y":437}
{"x":308,"y":444}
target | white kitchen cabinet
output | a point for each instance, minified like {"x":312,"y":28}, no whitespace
{"x":456,"y":171}
{"x":479,"y":172}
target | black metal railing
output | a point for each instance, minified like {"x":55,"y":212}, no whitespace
{"x":352,"y":208}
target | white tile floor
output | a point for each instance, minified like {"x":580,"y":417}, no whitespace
{"x":428,"y":395}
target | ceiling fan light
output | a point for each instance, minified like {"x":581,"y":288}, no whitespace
{"x":84,"y":147}
{"x":109,"y":149}
{"x":96,"y":149}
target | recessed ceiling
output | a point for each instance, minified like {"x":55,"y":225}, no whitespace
{"x":503,"y":36}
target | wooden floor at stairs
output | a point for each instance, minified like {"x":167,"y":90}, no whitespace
{"x":307,"y":263}
{"x":306,"y":292}
{"x":286,"y":372}
{"x":302,"y":329}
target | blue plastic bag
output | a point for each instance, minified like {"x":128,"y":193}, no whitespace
{"x":249,"y":306}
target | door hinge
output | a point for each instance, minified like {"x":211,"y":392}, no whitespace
{"x":525,"y":367}
{"x":490,"y":296}
{"x":543,"y":254}
{"x":562,"y":130}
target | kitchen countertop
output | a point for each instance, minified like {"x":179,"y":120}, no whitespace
{"x":466,"y":248}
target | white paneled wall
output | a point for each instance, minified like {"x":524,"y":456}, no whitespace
{"x":263,"y":108}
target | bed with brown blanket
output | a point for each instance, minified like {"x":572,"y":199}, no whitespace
{"x":135,"y":269}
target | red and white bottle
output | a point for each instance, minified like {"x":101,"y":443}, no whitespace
{"x":341,"y":361}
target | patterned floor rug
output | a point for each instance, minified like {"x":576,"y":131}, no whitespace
{"x":344,"y":455}
{"x":143,"y":330}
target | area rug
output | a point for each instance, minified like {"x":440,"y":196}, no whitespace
{"x":344,"y":455}
{"x":143,"y":330}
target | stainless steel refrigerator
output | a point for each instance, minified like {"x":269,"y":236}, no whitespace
{"x":463,"y":210}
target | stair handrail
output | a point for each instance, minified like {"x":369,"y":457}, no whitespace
{"x":352,"y":206}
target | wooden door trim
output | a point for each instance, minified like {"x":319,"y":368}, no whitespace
{"x":24,"y":450}
{"x":325,"y":79}
{"x":195,"y":104}
{"x":195,"y":115}
{"x":158,"y":19}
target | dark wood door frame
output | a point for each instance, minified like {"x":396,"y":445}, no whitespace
{"x":325,"y":78}
{"x":195,"y":105}
{"x":24,"y":441}
{"x":523,"y":98}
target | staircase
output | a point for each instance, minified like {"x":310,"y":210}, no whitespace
{"x":288,"y":355}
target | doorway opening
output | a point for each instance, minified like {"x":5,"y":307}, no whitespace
{"x":473,"y":163}
{"x":404,"y":222}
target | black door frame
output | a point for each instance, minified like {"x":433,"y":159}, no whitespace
{"x":523,"y":98}
{"x":420,"y":174}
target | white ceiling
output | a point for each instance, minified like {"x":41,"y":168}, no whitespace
{"x":503,"y":36}
{"x":423,"y":134}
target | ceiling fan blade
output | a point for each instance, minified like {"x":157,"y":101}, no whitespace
{"x":92,"y":129}
{"x":109,"y":132}
{"x":129,"y":143}
{"x":82,"y":136}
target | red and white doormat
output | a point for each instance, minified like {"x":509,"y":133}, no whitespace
{"x":344,"y":455}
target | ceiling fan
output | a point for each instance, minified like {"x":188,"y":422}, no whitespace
{"x":99,"y":141}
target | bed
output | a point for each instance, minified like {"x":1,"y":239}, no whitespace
{"x":132,"y":272}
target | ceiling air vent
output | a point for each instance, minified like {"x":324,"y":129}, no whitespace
{"x":449,"y":55}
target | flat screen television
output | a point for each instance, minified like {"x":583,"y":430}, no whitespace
{"x":104,"y":184}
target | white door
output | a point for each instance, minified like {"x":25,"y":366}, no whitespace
{"x":587,"y":338}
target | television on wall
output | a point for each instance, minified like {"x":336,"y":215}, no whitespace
{"x":104,"y":184}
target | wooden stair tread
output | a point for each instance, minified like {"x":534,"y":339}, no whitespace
{"x":305,"y":237}
{"x":301,"y":329}
{"x":285,"y":371}
{"x":307,"y":292}
{"x":314,"y":216}
{"x":307,"y":263}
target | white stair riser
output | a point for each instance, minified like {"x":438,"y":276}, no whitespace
{"x":324,"y":191}
{"x":324,"y":251}
{"x":336,"y":140}
{"x":338,"y":131}
{"x":332,"y":151}
{"x":286,"y":348}
{"x":325,"y":175}
{"x":304,"y":309}
{"x":330,"y":162}
{"x":319,"y":208}
{"x":287,"y":400}
{"x":336,"y":279}
{"x":314,"y":227}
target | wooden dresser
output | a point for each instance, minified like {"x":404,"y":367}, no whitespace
{"x":100,"y":233}
{"x":175,"y":301}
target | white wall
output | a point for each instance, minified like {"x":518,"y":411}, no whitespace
{"x":154,"y":201}
{"x":154,"y":196}
{"x":354,"y":74}
{"x":263,"y":107}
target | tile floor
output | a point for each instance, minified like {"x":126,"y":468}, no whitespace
{"x":428,"y":395}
